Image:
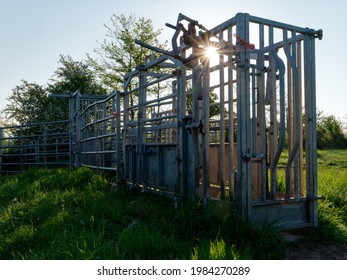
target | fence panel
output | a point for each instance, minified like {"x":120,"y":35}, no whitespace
{"x":96,"y":130}
{"x":34,"y":145}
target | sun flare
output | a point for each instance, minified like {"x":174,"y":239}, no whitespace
{"x":211,"y":52}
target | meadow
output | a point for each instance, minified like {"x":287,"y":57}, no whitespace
{"x":63,"y":214}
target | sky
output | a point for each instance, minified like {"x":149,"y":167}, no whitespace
{"x":34,"y":33}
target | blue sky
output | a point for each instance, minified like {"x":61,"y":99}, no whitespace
{"x":33,"y":33}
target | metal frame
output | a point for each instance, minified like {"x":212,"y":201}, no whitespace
{"x":263,"y":91}
{"x":37,"y":144}
{"x":187,"y":124}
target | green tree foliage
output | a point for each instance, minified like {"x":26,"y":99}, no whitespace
{"x":330,"y":132}
{"x":118,"y":54}
{"x":72,"y":76}
{"x":28,"y":103}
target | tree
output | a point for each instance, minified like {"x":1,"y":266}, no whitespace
{"x":118,"y":54}
{"x":330,"y":132}
{"x":28,"y":104}
{"x":72,"y":75}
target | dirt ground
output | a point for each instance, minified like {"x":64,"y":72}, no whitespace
{"x":300,"y":248}
{"x":312,"y":251}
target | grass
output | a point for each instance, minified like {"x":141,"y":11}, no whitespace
{"x":59,"y":214}
{"x":332,"y":184}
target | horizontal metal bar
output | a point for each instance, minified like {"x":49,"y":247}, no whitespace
{"x":103,"y":120}
{"x":277,"y":24}
{"x":99,"y":152}
{"x":160,"y":118}
{"x":170,"y":96}
{"x":222,"y":27}
{"x":162,"y":79}
{"x":34,"y":124}
{"x":37,"y":163}
{"x":34,"y":145}
{"x":98,"y":137}
{"x":108,"y":98}
{"x":161,"y":126}
{"x":159,"y":104}
{"x":280,"y":44}
{"x":151,"y":144}
{"x":100,"y":167}
{"x":36,"y":154}
{"x":35,"y":136}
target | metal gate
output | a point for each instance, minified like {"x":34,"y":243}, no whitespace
{"x":152,"y":133}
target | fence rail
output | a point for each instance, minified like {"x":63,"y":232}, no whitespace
{"x":37,"y":144}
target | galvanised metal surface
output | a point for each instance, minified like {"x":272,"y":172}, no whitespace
{"x":237,"y":111}
{"x":34,"y":145}
{"x":96,"y":132}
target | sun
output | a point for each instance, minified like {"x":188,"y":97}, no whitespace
{"x":211,"y":52}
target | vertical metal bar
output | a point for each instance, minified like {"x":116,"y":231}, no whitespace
{"x":205,"y":117}
{"x":104,"y":132}
{"x":119,"y":156}
{"x":290,"y":124}
{"x":272,"y":101}
{"x":142,"y":174}
{"x":311,"y":143}
{"x":196,"y":92}
{"x":96,"y":135}
{"x":182,"y":141}
{"x":222,"y":122}
{"x":44,"y":131}
{"x":231,"y":161}
{"x":78,"y":130}
{"x":296,"y":113}
{"x":71,"y":126}
{"x":126,"y":160}
{"x":301,"y":152}
{"x":314,"y":192}
{"x":253,"y":106}
{"x":243,"y":203}
{"x":21,"y":149}
{"x":261,"y":132}
{"x":115,"y":157}
{"x":298,"y":116}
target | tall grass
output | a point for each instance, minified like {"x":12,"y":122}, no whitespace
{"x":332,"y":210}
{"x":63,"y":214}
{"x":59,"y":214}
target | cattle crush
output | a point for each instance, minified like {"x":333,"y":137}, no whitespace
{"x":239,"y":124}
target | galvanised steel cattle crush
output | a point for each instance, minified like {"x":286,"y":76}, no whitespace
{"x":232,"y":126}
{"x":215,"y":127}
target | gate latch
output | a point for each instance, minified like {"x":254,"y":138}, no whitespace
{"x":198,"y":125}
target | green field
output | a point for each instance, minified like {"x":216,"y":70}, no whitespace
{"x":62,"y":214}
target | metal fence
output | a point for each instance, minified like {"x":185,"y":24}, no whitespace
{"x":34,"y":145}
{"x":96,"y":131}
